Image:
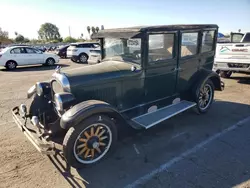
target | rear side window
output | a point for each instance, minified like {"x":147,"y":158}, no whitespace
{"x":207,"y":41}
{"x":189,"y":43}
{"x":246,"y":38}
{"x":18,"y":51}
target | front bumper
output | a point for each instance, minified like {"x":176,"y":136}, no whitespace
{"x":36,"y":137}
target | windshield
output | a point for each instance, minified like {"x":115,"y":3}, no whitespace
{"x":124,"y":49}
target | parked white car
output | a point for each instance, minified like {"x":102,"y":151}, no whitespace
{"x":14,"y":56}
{"x":79,"y":52}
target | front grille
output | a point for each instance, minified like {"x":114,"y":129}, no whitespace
{"x":238,"y":65}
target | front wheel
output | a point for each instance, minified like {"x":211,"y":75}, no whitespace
{"x":89,"y":141}
{"x":50,"y":62}
{"x":204,"y":96}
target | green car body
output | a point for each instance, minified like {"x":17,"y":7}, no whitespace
{"x":141,"y":68}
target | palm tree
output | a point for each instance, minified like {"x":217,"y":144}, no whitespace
{"x":81,"y":35}
{"x":93,"y":29}
{"x":97,"y":29}
{"x":102,"y":27}
{"x":88,"y":29}
{"x":16,"y":33}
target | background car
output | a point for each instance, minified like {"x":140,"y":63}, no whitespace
{"x":62,"y":51}
{"x":12,"y":57}
{"x":94,"y":56}
{"x":79,"y":52}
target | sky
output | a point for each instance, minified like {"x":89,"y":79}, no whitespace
{"x":26,"y":16}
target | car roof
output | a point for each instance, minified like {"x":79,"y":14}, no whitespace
{"x":133,"y":31}
{"x":76,"y":43}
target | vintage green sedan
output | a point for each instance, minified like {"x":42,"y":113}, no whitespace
{"x":146,"y":76}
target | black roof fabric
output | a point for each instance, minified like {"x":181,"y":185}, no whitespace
{"x":131,"y":32}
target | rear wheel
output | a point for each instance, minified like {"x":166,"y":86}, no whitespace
{"x":89,"y":141}
{"x":225,"y":74}
{"x":11,"y":65}
{"x":204,"y":95}
{"x":83,"y":58}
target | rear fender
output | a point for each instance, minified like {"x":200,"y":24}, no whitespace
{"x":86,"y":109}
{"x":203,"y":75}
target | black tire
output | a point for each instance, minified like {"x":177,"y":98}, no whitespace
{"x":11,"y":65}
{"x":203,"y":98}
{"x":83,"y":58}
{"x":225,"y":74}
{"x":93,"y":143}
{"x":73,"y":60}
{"x":50,"y":62}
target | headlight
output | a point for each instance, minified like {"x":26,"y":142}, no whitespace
{"x":57,"y":87}
{"x":63,"y":100}
{"x":42,"y":88}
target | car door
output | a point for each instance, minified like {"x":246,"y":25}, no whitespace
{"x":19,"y":55}
{"x":189,"y":58}
{"x":34,"y":57}
{"x":161,"y":69}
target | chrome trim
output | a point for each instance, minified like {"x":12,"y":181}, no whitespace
{"x":39,"y":89}
{"x":58,"y":102}
{"x":63,"y":80}
{"x":31,"y":91}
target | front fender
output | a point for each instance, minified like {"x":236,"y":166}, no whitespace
{"x":85,"y":109}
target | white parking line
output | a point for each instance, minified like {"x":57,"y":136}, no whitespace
{"x":168,"y":164}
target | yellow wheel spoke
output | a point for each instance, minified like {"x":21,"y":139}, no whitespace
{"x":92,"y":131}
{"x":81,"y":146}
{"x":87,"y":153}
{"x":97,"y":131}
{"x":98,"y":149}
{"x":104,"y":137}
{"x":82,"y":151}
{"x":102,"y":144}
{"x":92,"y":153}
{"x":82,"y":140}
{"x":86,"y":134}
{"x":101,"y":133}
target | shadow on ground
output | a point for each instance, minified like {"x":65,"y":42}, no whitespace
{"x":241,"y":79}
{"x":140,"y":152}
{"x":34,"y":68}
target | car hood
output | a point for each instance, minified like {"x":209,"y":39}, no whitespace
{"x":96,"y":74}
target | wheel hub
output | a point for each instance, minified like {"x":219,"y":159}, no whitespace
{"x":93,"y":142}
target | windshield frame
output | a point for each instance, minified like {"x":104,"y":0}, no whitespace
{"x":116,"y":58}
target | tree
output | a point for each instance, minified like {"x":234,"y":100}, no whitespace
{"x":19,"y":38}
{"x":69,"y":39}
{"x":26,"y":40}
{"x":49,"y":32}
{"x":102,"y":27}
{"x":81,"y":35}
{"x":97,"y":29}
{"x":88,"y":29}
{"x":3,"y":34}
{"x":239,"y":30}
{"x":93,"y":29}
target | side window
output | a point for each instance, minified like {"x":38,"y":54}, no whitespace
{"x":189,"y":43}
{"x":17,"y":51}
{"x":207,"y":41}
{"x":160,"y":47}
{"x":30,"y":51}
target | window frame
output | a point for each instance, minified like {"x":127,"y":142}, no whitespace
{"x":215,"y":37}
{"x":198,"y":31}
{"x":174,"y":52}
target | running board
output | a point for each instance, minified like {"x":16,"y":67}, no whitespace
{"x":152,"y":118}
